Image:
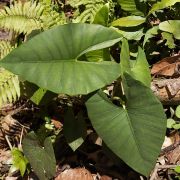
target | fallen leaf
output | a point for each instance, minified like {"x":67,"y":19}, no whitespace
{"x":57,"y":124}
{"x":173,"y":157}
{"x":75,"y":174}
{"x":168,"y":66}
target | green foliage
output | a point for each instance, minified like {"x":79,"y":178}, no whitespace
{"x":9,"y":87}
{"x":5,"y":48}
{"x":140,"y":128}
{"x":171,"y":26}
{"x":41,"y":158}
{"x":168,"y":37}
{"x":129,"y":21}
{"x":20,"y":162}
{"x":162,"y":4}
{"x":130,"y":6}
{"x":102,"y":16}
{"x":61,"y":54}
{"x":173,"y":121}
{"x":25,"y":17}
{"x":76,"y":59}
{"x":91,"y":7}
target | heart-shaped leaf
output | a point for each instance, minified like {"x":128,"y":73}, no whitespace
{"x":135,"y":133}
{"x":41,"y":158}
{"x":50,"y":59}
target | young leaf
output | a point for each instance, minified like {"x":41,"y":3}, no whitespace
{"x":41,"y":158}
{"x":168,"y":37}
{"x":50,"y":59}
{"x":177,"y":112}
{"x":135,"y":133}
{"x":74,"y":129}
{"x":129,"y":21}
{"x":171,"y":26}
{"x":170,"y":123}
{"x":19,"y":160}
{"x":141,"y":71}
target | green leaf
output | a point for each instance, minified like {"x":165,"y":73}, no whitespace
{"x":133,"y":35}
{"x":150,"y":33}
{"x":169,"y":39}
{"x":176,"y":126}
{"x":177,"y":112}
{"x":129,"y":21}
{"x":74,"y":129}
{"x":124,"y":57}
{"x":50,"y":59}
{"x":163,"y":4}
{"x":177,"y":169}
{"x":170,"y":123}
{"x":135,"y":133}
{"x":171,"y":26}
{"x":41,"y":158}
{"x":19,"y":161}
{"x":141,"y":71}
{"x":102,"y":16}
{"x":38,"y":95}
{"x":130,"y":6}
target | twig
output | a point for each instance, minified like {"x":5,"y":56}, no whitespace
{"x":169,"y":148}
{"x":7,"y":139}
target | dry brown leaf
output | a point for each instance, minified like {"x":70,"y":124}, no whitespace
{"x":173,"y":157}
{"x":169,"y":66}
{"x":75,"y":174}
{"x":57,"y":124}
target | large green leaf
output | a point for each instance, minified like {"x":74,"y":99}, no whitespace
{"x":129,"y":21}
{"x":41,"y":158}
{"x":163,"y":4}
{"x":171,"y":26}
{"x":50,"y":59}
{"x":135,"y":133}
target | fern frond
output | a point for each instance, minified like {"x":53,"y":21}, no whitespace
{"x":28,"y":16}
{"x":9,"y":87}
{"x":52,"y":18}
{"x":5,"y":48}
{"x":91,"y":7}
{"x":22,"y":18}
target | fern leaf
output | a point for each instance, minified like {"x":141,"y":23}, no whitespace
{"x":9,"y":87}
{"x":5,"y":48}
{"x":22,"y":18}
{"x":91,"y":8}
